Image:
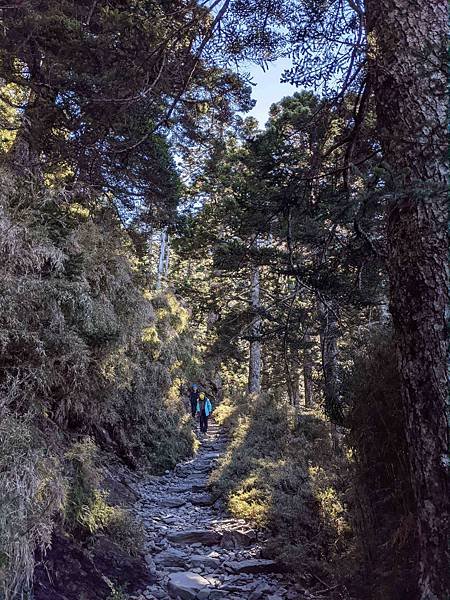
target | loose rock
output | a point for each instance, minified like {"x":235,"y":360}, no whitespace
{"x":185,"y":585}
{"x":202,"y":560}
{"x":171,"y":558}
{"x":183,"y":521}
{"x":207,"y":537}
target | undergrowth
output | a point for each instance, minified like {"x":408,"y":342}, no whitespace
{"x":381,"y":479}
{"x":32,"y":492}
{"x":87,"y":351}
{"x":87,"y":510}
{"x":281,"y":473}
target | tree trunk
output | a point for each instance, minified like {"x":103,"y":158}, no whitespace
{"x":34,"y":136}
{"x":150,"y":254}
{"x":38,"y":117}
{"x":162,"y":259}
{"x":292,"y":369}
{"x":384,"y":312}
{"x":406,"y":67}
{"x":307,"y":373}
{"x":254,"y":372}
{"x":329,"y":333}
{"x":296,"y":384}
{"x":166,"y":261}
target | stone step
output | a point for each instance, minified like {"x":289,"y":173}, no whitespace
{"x":198,"y":488}
{"x":202,"y":500}
{"x":238,"y":538}
{"x":207,"y":537}
{"x":204,"y":560}
{"x":172,"y":501}
{"x":171,"y":558}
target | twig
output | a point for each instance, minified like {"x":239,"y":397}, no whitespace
{"x":328,"y":589}
{"x":321,"y":581}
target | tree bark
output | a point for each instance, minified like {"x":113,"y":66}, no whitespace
{"x":296,"y":384}
{"x":254,"y":371}
{"x":150,"y":254}
{"x":329,"y":333}
{"x":406,"y":67}
{"x":162,"y":259}
{"x":307,"y":373}
{"x":292,"y":368}
{"x":34,"y":134}
{"x":167,"y":258}
{"x":25,"y":154}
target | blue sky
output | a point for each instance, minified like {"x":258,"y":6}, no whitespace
{"x":268,"y":88}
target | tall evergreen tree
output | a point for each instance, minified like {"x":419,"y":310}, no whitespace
{"x":406,"y":50}
{"x":394,"y":53}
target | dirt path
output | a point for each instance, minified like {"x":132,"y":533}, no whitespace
{"x":194,"y":550}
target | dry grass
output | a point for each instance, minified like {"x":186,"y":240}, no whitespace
{"x":32,"y":491}
{"x":287,"y":479}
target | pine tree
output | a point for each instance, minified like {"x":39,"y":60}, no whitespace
{"x":406,"y":58}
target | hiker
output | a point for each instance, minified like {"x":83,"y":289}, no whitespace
{"x":204,"y":408}
{"x":193,"y":399}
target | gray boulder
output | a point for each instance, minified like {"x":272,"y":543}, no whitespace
{"x":203,"y":560}
{"x":170,"y":558}
{"x":186,"y":585}
{"x":202,"y":500}
{"x":237,"y":538}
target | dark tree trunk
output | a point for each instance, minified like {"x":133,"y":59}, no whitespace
{"x":307,"y":373}
{"x":329,"y":333}
{"x":406,"y":67}
{"x":254,"y":371}
{"x":296,"y":385}
{"x":27,"y":153}
{"x":292,"y":368}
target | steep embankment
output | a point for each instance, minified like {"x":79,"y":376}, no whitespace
{"x":91,"y":363}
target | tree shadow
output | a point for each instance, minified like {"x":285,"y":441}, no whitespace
{"x":281,"y":473}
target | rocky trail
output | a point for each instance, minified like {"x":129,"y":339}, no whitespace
{"x":193,"y":549}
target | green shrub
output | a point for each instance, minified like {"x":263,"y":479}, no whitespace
{"x":117,"y":593}
{"x":123,"y":529}
{"x":281,"y":473}
{"x":82,"y":353}
{"x":87,"y":508}
{"x":96,"y":514}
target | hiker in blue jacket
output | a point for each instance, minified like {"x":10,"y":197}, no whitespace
{"x":204,"y":409}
